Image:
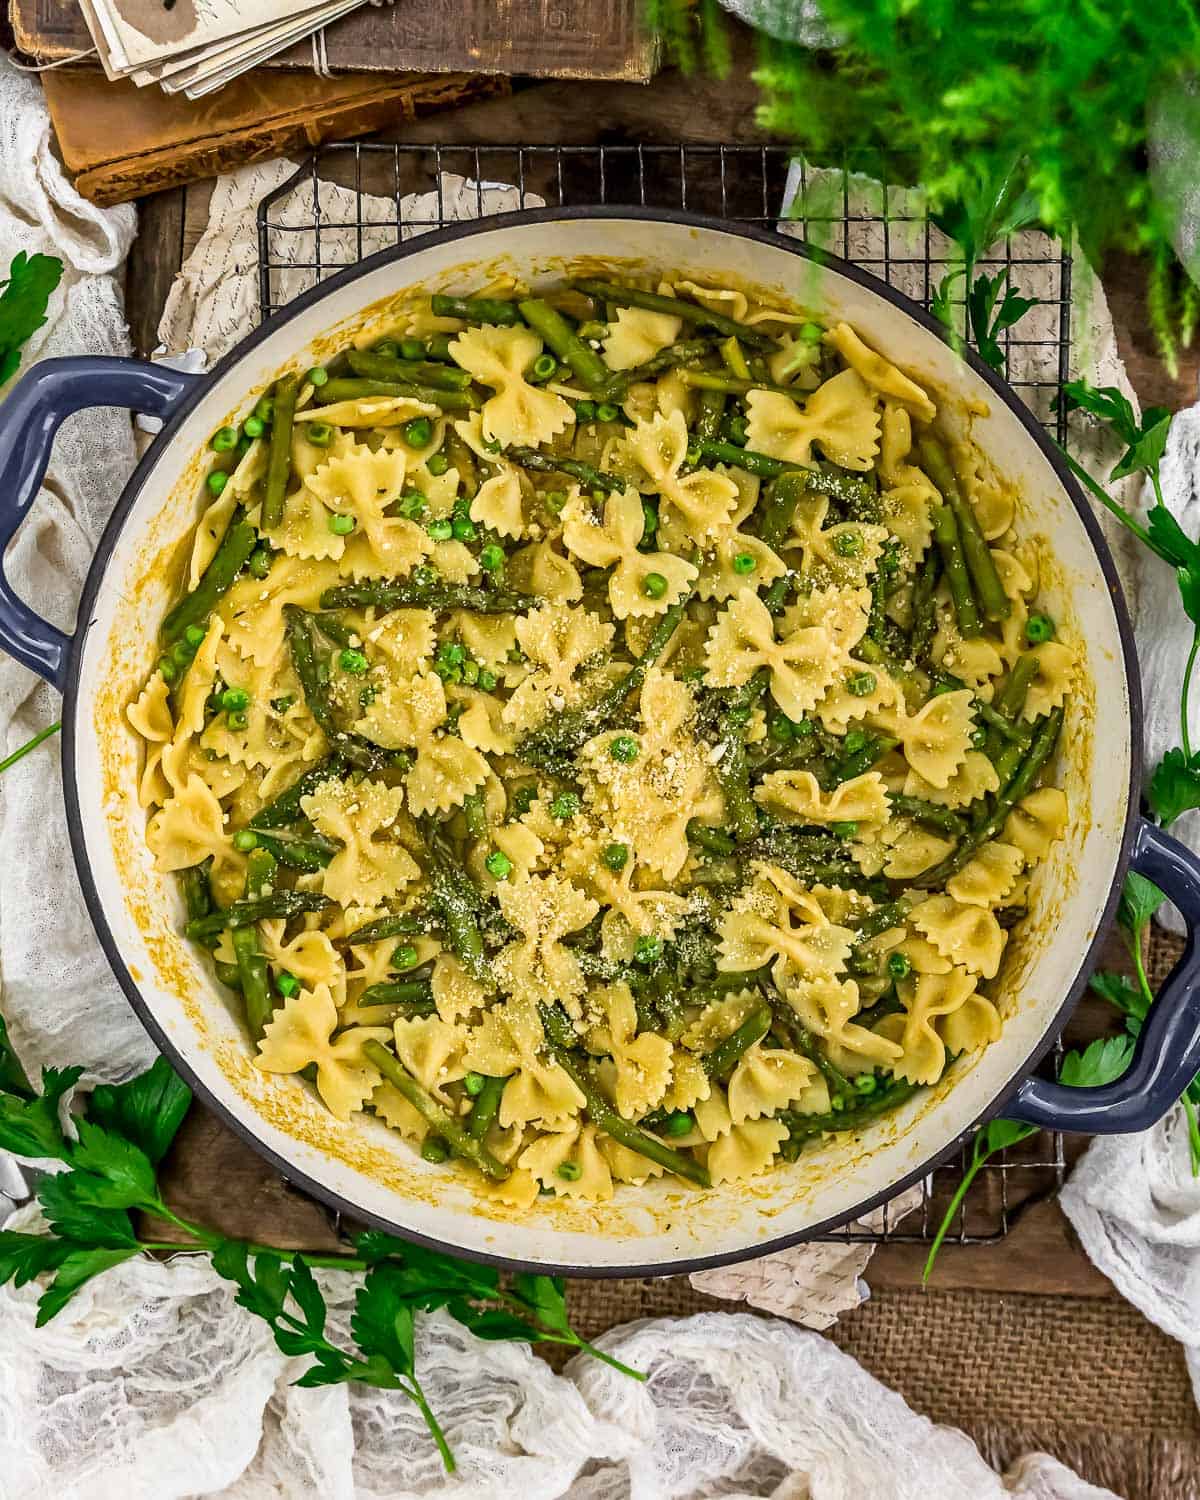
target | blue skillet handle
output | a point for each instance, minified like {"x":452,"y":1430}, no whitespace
{"x":29,"y":417}
{"x":1167,"y":1055}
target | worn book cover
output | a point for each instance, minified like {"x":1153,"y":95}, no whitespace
{"x":134,"y":33}
{"x":541,"y":38}
{"x":120,"y":142}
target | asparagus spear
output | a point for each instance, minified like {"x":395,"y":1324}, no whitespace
{"x":253,"y":972}
{"x":414,"y":995}
{"x":197,"y":892}
{"x":407,"y":924}
{"x":217,"y":579}
{"x":432,"y":592}
{"x":286,"y":807}
{"x":746,"y":458}
{"x":929,"y":814}
{"x":675,"y":307}
{"x":980,"y":563}
{"x":1021,"y":782}
{"x":486,"y":1108}
{"x":722,"y":1059}
{"x":949,"y":544}
{"x":476,"y":309}
{"x":566,"y":343}
{"x":733,"y":768}
{"x":279,"y":458}
{"x":712,"y":409}
{"x":551,"y":463}
{"x":408,"y":371}
{"x":358,"y":389}
{"x":462,"y":461}
{"x":553,"y":743}
{"x":921,"y":637}
{"x":458,"y":907}
{"x":779,"y":507}
{"x":245,"y":913}
{"x":314,"y":681}
{"x":713,"y":380}
{"x":666,"y":359}
{"x":308,"y":851}
{"x":858,"y":762}
{"x":439,"y":1119}
{"x":561,"y":1040}
{"x":866,"y":1107}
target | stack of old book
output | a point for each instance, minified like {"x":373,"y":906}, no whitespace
{"x":375,"y":67}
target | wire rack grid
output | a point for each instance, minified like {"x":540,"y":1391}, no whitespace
{"x":350,"y":200}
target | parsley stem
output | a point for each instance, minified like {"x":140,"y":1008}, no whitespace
{"x":1186,"y":693}
{"x":1109,"y":503}
{"x":417,"y":1395}
{"x":23,"y":750}
{"x":1189,"y":1110}
{"x":605,"y":1359}
{"x":979,"y":1156}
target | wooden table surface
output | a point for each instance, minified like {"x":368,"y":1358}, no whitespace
{"x":212,"y":1174}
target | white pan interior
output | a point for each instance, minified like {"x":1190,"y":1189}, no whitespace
{"x":369,"y":1169}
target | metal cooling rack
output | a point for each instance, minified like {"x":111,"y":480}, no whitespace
{"x":377,"y":194}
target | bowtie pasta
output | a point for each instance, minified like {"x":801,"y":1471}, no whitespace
{"x":605,"y":734}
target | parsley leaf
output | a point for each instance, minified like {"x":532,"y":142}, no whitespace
{"x":1102,"y":1061}
{"x":24,"y":1256}
{"x":1145,"y":440}
{"x":1140,"y":899}
{"x":30,"y":1126}
{"x":79,"y":1220}
{"x":1175,"y":786}
{"x":988,"y":321}
{"x":111,"y":1172}
{"x":262,"y":1290}
{"x":12,"y":1074}
{"x":431,"y":1280}
{"x":382,"y":1321}
{"x":148,"y":1110}
{"x":78,"y":1267}
{"x":1124,"y":995}
{"x":546,"y":1299}
{"x":23,"y":302}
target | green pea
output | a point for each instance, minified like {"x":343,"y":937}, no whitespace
{"x":470,"y":673}
{"x":194,"y":635}
{"x":319,"y":434}
{"x":425,"y":576}
{"x":259,"y":562}
{"x":353,"y":662}
{"x":463,"y":529}
{"x":264,"y":408}
{"x":341,"y":525}
{"x":899,"y":965}
{"x":678,"y":1122}
{"x":487,"y":680}
{"x":615,"y":856}
{"x":440,"y":531}
{"x":654,"y":585}
{"x":1039,"y":628}
{"x":498,"y":864}
{"x":389,"y":348}
{"x":861,"y":684}
{"x":167,"y":669}
{"x":434,"y":1150}
{"x":855,"y":741}
{"x":845,"y":830}
{"x":585,"y":411}
{"x":437,"y":463}
{"x":565,"y":806}
{"x":452,"y":652}
{"x":744,"y":563}
{"x":224,"y":440}
{"x":419,"y":432}
{"x":625,"y":749}
{"x":780,"y":727}
{"x":235,"y":698}
{"x":237,"y":719}
{"x":607,"y":412}
{"x":554,"y":500}
{"x":569,"y":1171}
{"x":216,"y":481}
{"x":491,"y":557}
{"x":411,"y":505}
{"x":253,"y":426}
{"x":287,"y":984}
{"x":848,"y":544}
{"x":474,"y":1083}
{"x":647,"y":950}
{"x":865,"y":1083}
{"x":244,"y":840}
{"x":317,"y":376}
{"x":403,"y":957}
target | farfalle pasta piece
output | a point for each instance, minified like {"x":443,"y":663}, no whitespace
{"x":510,"y":1043}
{"x":372,"y":411}
{"x":844,"y":554}
{"x":975,"y":778}
{"x":840,"y":418}
{"x":745,"y":1151}
{"x":802,"y":664}
{"x":481,"y":724}
{"x":718,"y":1020}
{"x":928,"y":1000}
{"x":539,"y":569}
{"x":695,"y":504}
{"x":935,"y":740}
{"x":689,"y":1085}
{"x":538,"y":967}
{"x":861,"y":799}
{"x":361,"y":482}
{"x":911,"y":849}
{"x":590,"y":1176}
{"x":432,"y":1050}
{"x":775,"y":921}
{"x":610,"y":540}
{"x":396,"y":1112}
{"x":636,"y":335}
{"x":733,"y":558}
{"x":189,"y":828}
{"x":498,"y":504}
{"x":626,"y":1165}
{"x":310,"y":956}
{"x":988,"y":879}
{"x":767,"y":1079}
{"x":1056,"y":667}
{"x":641,"y":1063}
{"x":969,"y":936}
{"x":456,"y":995}
{"x":558,"y":640}
{"x":1037,"y":822}
{"x":301,"y":1035}
{"x":149,"y":716}
{"x":518,"y":412}
{"x":410,"y":715}
{"x":404,"y":639}
{"x":827,"y":1007}
{"x":975,"y":660}
{"x":368,"y":869}
{"x":879,"y":373}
